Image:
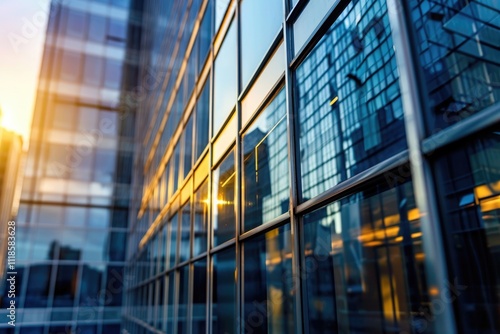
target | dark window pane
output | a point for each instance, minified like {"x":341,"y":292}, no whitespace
{"x":185,"y":233}
{"x":65,"y":286}
{"x":224,"y":292}
{"x":349,"y":106}
{"x":225,"y":84}
{"x":37,"y":291}
{"x":182,"y":320}
{"x":223,"y":201}
{"x":257,"y":38}
{"x":199,"y":297}
{"x":172,"y":236}
{"x":188,"y":147}
{"x":459,"y":53}
{"x":266,"y":192}
{"x":114,"y":286}
{"x":86,"y":329}
{"x":469,"y":183}
{"x":117,"y":245}
{"x":269,"y":296}
{"x":202,"y":120}
{"x":200,"y":220}
{"x":170,"y":308}
{"x":205,"y":35}
{"x":364,"y":263}
{"x":90,"y":285}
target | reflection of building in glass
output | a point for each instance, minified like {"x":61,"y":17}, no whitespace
{"x":302,"y":174}
{"x":73,"y":216}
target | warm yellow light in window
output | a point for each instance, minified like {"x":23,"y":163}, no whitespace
{"x":334,"y":100}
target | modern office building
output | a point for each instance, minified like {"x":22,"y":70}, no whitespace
{"x":73,"y":215}
{"x":11,"y":154}
{"x":317,"y":166}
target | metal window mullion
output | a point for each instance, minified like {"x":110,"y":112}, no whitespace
{"x":425,"y":196}
{"x":293,"y":176}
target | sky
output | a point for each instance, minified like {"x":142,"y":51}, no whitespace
{"x":22,"y":34}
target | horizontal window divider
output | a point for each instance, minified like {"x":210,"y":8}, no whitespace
{"x":280,"y":83}
{"x":342,"y":189}
{"x":184,"y":263}
{"x":223,"y":125}
{"x":264,"y":228}
{"x":223,"y":246}
{"x":198,"y":257}
{"x":318,"y":33}
{"x":464,"y":128}
{"x":140,"y":322}
{"x":263,"y":62}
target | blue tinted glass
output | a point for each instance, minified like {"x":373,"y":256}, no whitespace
{"x":185,"y":233}
{"x":268,"y":282}
{"x":257,"y":38}
{"x":202,"y":120}
{"x":38,"y":285}
{"x":75,"y":25}
{"x":265,"y":161}
{"x":90,"y":285}
{"x":220,"y":10}
{"x":97,"y":28}
{"x":188,"y":146}
{"x":459,"y":52}
{"x":199,"y":300}
{"x":113,"y":74}
{"x":117,"y":32}
{"x":349,"y":105}
{"x":117,"y":243}
{"x":468,"y":180}
{"x":114,"y":286}
{"x":172,"y":241}
{"x":224,"y":292}
{"x":76,"y":216}
{"x":95,"y":246}
{"x":183,"y":300}
{"x":70,"y":67}
{"x":170,"y":307}
{"x":65,"y":289}
{"x":176,"y":157}
{"x":92,"y":72}
{"x":364,"y":262}
{"x":225,"y":83}
{"x":223,"y":201}
{"x":205,"y":35}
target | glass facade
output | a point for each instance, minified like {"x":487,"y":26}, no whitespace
{"x":315,"y":167}
{"x":74,"y":209}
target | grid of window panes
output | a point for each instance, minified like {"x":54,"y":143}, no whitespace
{"x":278,"y":191}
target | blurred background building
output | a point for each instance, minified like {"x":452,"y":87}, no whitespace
{"x":317,"y":167}
{"x":300,"y":167}
{"x":73,"y":213}
{"x":11,"y":155}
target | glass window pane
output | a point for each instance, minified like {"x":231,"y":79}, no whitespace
{"x":182,"y":319}
{"x":38,"y":286}
{"x":349,"y":106}
{"x":225,"y":75}
{"x":205,"y":35}
{"x":199,"y":297}
{"x":202,"y":120}
{"x":200,"y":220}
{"x":92,"y":73}
{"x":170,"y":307}
{"x":469,"y":189}
{"x":172,"y":238}
{"x":188,"y":146}
{"x":113,"y":74}
{"x":265,"y":165}
{"x":220,"y":10}
{"x":97,"y":28}
{"x":70,"y":66}
{"x":257,"y":38}
{"x":223,"y":201}
{"x":76,"y":216}
{"x":185,"y":233}
{"x":268,"y":282}
{"x":90,"y":285}
{"x":224,"y":292}
{"x":65,"y":285}
{"x":459,"y":53}
{"x":364,"y":262}
{"x":75,"y":25}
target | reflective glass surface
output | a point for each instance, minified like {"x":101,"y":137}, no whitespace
{"x":200,"y":219}
{"x":171,"y":298}
{"x":199,"y":302}
{"x":468,"y":178}
{"x":185,"y":233}
{"x":172,"y":241}
{"x":257,"y":38}
{"x":223,"y":201}
{"x":268,"y":281}
{"x":349,"y":106}
{"x":224,"y":292}
{"x":182,"y":313}
{"x":225,"y":78}
{"x":364,"y":263}
{"x":265,"y":160}
{"x":459,"y":54}
{"x":220,"y":10}
{"x":202,"y":120}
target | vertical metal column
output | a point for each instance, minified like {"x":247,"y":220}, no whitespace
{"x":435,"y":260}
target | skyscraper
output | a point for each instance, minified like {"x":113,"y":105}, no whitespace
{"x":317,"y":167}
{"x":73,"y":216}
